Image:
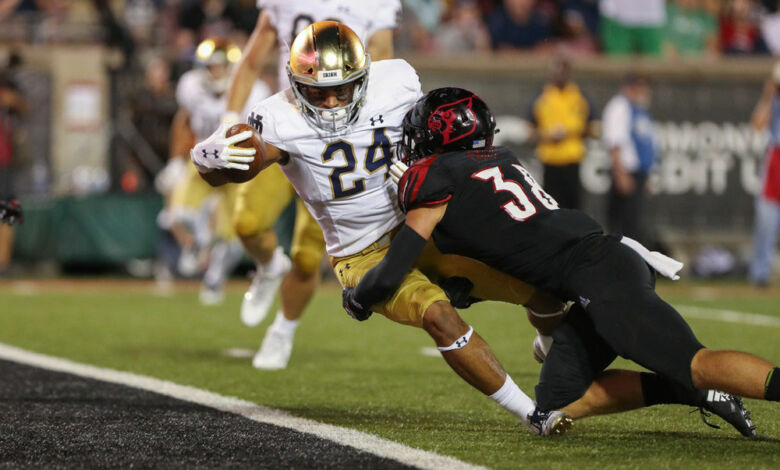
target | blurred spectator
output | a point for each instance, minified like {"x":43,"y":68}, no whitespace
{"x":628,"y":137}
{"x":631,"y":26}
{"x":767,"y":223}
{"x":518,"y":25}
{"x":154,"y":107}
{"x":586,"y":10}
{"x":561,"y":116}
{"x":740,"y":29}
{"x":577,"y":39}
{"x":770,"y":30}
{"x":419,"y":21}
{"x":242,"y":14}
{"x":12,"y":105}
{"x":691,"y":30}
{"x":464,"y":32}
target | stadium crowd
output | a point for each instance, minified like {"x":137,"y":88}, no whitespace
{"x":662,"y":28}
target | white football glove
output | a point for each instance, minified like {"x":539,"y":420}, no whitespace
{"x":397,"y":170}
{"x":218,"y":152}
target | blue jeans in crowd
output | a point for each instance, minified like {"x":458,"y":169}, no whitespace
{"x":764,"y":239}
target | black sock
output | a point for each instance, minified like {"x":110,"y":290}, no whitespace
{"x":772,"y":391}
{"x":658,"y":390}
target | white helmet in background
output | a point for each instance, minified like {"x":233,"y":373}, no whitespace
{"x":216,"y":56}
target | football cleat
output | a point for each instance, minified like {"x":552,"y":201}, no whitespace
{"x":274,"y":353}
{"x":211,"y":296}
{"x":731,"y":409}
{"x":258,"y":299}
{"x":549,"y":423}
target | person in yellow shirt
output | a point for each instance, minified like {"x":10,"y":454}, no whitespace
{"x":562,"y":118}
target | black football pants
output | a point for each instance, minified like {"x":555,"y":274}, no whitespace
{"x":618,"y":314}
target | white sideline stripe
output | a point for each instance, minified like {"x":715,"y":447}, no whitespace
{"x":729,"y":316}
{"x":350,"y":437}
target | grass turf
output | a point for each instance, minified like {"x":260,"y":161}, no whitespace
{"x":372,"y":375}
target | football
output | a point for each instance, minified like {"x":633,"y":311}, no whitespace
{"x":241,"y":176}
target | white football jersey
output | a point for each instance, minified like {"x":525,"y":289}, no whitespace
{"x":290,"y":17}
{"x":343,"y":177}
{"x":204,"y":108}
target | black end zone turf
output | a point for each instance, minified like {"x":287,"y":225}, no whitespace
{"x":52,"y":419}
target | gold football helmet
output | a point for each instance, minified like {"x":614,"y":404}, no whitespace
{"x":216,"y":55}
{"x":328,"y":55}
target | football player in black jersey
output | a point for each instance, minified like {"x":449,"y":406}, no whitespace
{"x":10,"y":211}
{"x":476,"y":200}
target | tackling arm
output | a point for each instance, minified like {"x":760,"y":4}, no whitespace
{"x":381,"y":281}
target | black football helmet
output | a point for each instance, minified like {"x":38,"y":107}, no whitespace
{"x":444,"y":120}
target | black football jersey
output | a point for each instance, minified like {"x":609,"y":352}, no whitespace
{"x":497,"y":213}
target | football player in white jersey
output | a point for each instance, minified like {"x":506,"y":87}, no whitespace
{"x":261,"y":201}
{"x":332,"y":132}
{"x":200,"y":94}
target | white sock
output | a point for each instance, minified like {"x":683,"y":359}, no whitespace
{"x":514,"y":400}
{"x":283,"y":325}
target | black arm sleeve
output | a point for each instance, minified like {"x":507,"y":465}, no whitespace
{"x":381,"y":281}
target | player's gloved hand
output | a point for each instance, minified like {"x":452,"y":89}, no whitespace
{"x":458,"y":290}
{"x":218,"y":152}
{"x":397,"y":170}
{"x":10,"y":212}
{"x":353,"y":308}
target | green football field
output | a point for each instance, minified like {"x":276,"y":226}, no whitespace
{"x":380,"y":377}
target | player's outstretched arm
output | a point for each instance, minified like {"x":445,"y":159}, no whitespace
{"x":380,"y":45}
{"x":381,"y":281}
{"x":254,"y":57}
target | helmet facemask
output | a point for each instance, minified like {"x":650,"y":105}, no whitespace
{"x":412,"y":145}
{"x":330,"y":119}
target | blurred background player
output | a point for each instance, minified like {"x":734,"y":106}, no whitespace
{"x":261,"y":200}
{"x":767,"y":223}
{"x":562,"y":117}
{"x":198,"y":215}
{"x":12,"y":105}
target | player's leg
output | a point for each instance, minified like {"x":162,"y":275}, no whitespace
{"x":185,"y":220}
{"x":573,"y":380}
{"x":487,"y":283}
{"x":641,"y":327}
{"x":226,"y":251}
{"x":297,"y":289}
{"x":6,"y":246}
{"x":764,"y":240}
{"x":418,"y":302}
{"x":258,"y":205}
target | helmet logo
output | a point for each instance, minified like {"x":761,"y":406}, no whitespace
{"x":442,"y":120}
